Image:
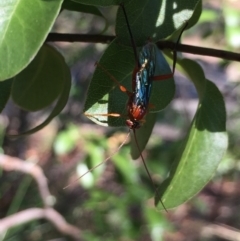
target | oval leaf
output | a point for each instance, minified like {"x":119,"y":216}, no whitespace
{"x":61,"y":102}
{"x":38,"y":85}
{"x":24,"y":26}
{"x":152,"y":19}
{"x":204,"y":146}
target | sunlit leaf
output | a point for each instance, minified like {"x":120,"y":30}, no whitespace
{"x":126,"y":167}
{"x":153,"y":19}
{"x":66,"y":140}
{"x":24,"y":25}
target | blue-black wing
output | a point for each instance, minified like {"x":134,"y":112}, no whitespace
{"x":144,"y":76}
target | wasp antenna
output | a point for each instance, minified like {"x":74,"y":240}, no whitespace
{"x":131,"y":36}
{"x":176,"y":44}
{"x":148,"y":173}
{"x":101,"y":162}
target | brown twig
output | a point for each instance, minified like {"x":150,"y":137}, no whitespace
{"x":84,"y":38}
{"x":14,"y":164}
{"x":105,"y":39}
{"x":221,"y":231}
{"x":37,"y":213}
{"x":199,"y":50}
{"x":8,"y":163}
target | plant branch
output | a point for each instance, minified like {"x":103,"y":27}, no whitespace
{"x":105,"y":39}
{"x":8,"y":163}
{"x":222,"y":231}
{"x":199,"y":50}
{"x":38,"y":213}
{"x":83,"y":38}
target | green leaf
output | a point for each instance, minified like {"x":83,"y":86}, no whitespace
{"x":196,"y":14}
{"x":38,"y":85}
{"x":209,"y":15}
{"x":162,"y":91}
{"x":61,"y":102}
{"x":204,"y":145}
{"x":126,"y":167}
{"x":5,"y":90}
{"x":187,"y":24}
{"x":232,"y":29}
{"x":66,"y":140}
{"x":142,"y":136}
{"x":157,"y":223}
{"x":104,"y":95}
{"x":78,"y":7}
{"x":24,"y":26}
{"x":152,"y":19}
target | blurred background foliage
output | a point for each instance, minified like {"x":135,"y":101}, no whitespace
{"x":115,"y":201}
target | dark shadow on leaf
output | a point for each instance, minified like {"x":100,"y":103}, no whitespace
{"x":211,"y":114}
